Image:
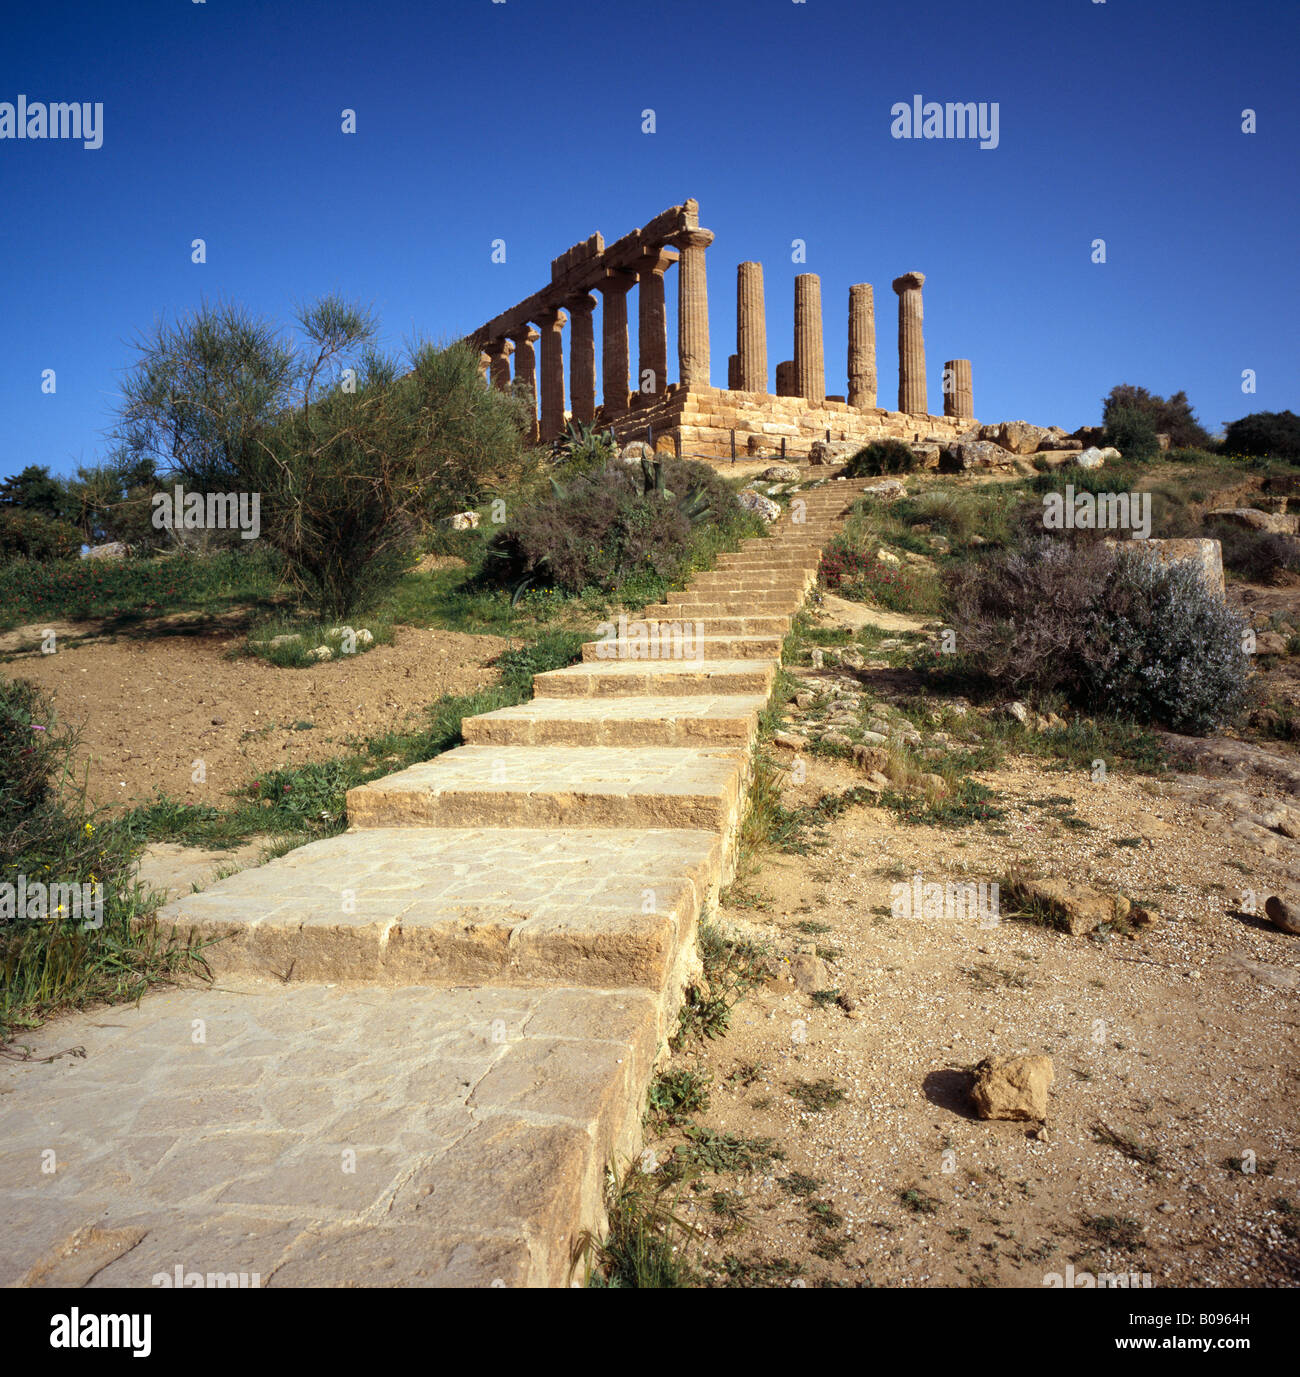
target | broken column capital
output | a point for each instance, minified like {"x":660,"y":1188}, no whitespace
{"x":908,"y":281}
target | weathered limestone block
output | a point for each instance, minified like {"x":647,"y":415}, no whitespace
{"x":959,"y":456}
{"x":1206,"y":554}
{"x":1013,"y":1088}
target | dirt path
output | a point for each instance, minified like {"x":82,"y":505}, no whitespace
{"x":149,"y":708}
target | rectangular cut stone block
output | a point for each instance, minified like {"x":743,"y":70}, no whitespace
{"x":642,"y":721}
{"x":662,"y":677}
{"x":711,"y":647}
{"x":546,"y":786}
{"x":459,"y":905}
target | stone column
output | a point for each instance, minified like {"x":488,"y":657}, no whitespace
{"x":751,"y":329}
{"x":862,"y":346}
{"x":552,"y":326}
{"x":693,"y":308}
{"x":484,"y":365}
{"x":582,"y":359}
{"x":809,"y":363}
{"x":498,"y":352}
{"x":526,"y":371}
{"x":785,"y":379}
{"x":958,"y":399}
{"x":613,"y":340}
{"x":911,"y":345}
{"x":652,"y":323}
{"x":733,"y":372}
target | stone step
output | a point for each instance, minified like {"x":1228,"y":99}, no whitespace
{"x":479,"y":1124}
{"x":558,"y":786}
{"x":698,"y":720}
{"x":662,"y":615}
{"x":692,"y":647}
{"x":733,"y":606}
{"x":759,"y":579}
{"x":750,"y":597}
{"x":662,"y":677}
{"x":776,"y":559}
{"x":462,"y":906}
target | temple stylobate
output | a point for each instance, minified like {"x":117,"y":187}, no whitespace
{"x":690,"y":415}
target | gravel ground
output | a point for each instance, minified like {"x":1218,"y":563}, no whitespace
{"x":1174,"y":1051}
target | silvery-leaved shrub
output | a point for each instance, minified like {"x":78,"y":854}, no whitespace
{"x":1164,"y":647}
{"x":1115,"y":631}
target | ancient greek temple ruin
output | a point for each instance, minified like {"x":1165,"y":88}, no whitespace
{"x":690,"y":416}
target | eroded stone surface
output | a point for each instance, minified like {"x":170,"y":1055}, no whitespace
{"x":354,"y":1148}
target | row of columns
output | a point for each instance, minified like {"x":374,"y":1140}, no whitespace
{"x":647,"y":274}
{"x":803,"y":376}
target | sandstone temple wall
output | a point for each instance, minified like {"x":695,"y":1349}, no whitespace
{"x":700,"y":422}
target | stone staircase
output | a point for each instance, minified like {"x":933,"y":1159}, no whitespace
{"x":430,"y":1035}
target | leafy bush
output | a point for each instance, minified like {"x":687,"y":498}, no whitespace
{"x":1132,"y":432}
{"x":1166,"y":648}
{"x":1115,"y":632}
{"x":1256,"y":556}
{"x":348,"y":466}
{"x":881,"y":456}
{"x":1265,"y":434}
{"x":604,"y":528}
{"x":29,"y":535}
{"x":35,"y":489}
{"x":1173,"y":417}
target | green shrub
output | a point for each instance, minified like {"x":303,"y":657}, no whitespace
{"x":1173,"y":417}
{"x":606,"y":527}
{"x":1265,"y":434}
{"x":29,"y":535}
{"x":1256,"y":556}
{"x":1114,"y":632}
{"x":881,"y":456}
{"x":1132,"y":432}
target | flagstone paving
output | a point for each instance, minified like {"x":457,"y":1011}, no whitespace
{"x":427,"y":1038}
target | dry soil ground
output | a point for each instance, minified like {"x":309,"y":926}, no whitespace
{"x":1180,"y":1045}
{"x":150,"y":705}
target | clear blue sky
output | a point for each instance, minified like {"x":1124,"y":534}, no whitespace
{"x":522,"y":121}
